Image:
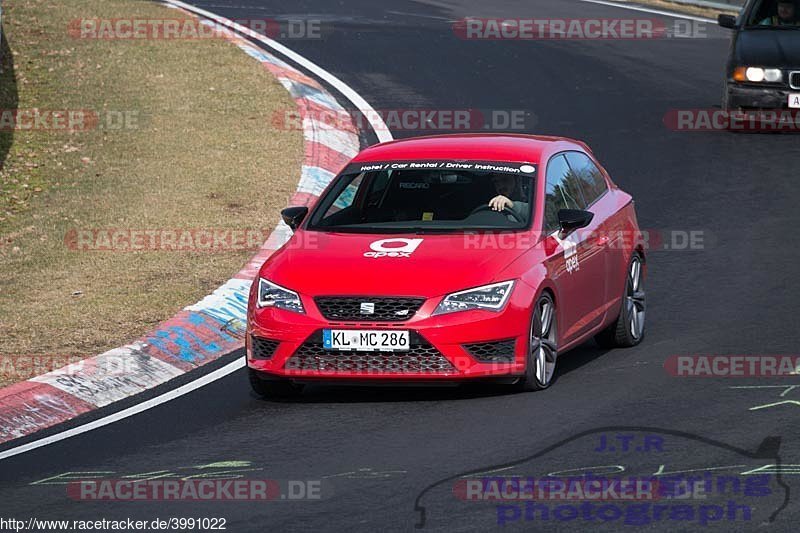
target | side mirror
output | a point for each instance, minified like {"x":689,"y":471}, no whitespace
{"x":293,"y":216}
{"x":572,"y":219}
{"x":727,"y":21}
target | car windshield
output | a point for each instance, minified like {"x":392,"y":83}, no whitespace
{"x":427,"y":196}
{"x":774,"y":14}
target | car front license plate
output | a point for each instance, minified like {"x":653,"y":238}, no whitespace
{"x":794,"y":101}
{"x":365,"y":340}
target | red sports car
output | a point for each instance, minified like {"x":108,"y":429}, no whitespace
{"x":450,"y":258}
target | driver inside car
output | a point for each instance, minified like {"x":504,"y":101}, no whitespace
{"x":509,"y":195}
{"x":786,"y":15}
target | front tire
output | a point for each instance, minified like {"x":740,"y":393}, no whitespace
{"x":542,"y":347}
{"x":628,"y":329}
{"x":271,"y":389}
{"x":726,"y":106}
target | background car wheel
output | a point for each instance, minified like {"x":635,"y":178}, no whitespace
{"x":726,"y":106}
{"x":628,"y":328}
{"x":725,"y":98}
{"x":542,"y":347}
{"x":273,"y":388}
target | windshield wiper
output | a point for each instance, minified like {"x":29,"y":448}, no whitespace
{"x":419,"y":230}
{"x":422,"y":231}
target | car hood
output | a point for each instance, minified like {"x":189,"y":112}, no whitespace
{"x":316,"y":263}
{"x":768,"y":48}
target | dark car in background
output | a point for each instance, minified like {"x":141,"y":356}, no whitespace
{"x":763,"y":70}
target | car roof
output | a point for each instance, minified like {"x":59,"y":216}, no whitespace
{"x":504,"y":147}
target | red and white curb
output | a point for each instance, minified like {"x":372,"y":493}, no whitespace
{"x":212,"y":327}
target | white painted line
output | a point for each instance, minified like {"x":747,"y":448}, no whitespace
{"x":130,"y":411}
{"x":643,"y":9}
{"x":377,"y":123}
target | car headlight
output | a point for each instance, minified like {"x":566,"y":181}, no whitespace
{"x":489,"y":297}
{"x":272,"y":295}
{"x":758,"y":74}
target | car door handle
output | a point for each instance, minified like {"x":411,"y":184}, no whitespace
{"x":601,"y":241}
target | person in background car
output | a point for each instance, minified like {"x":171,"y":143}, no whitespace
{"x":786,"y":16}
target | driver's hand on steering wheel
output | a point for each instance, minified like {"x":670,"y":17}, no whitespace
{"x":500,"y":202}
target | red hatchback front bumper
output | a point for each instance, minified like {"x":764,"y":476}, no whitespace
{"x":450,"y":347}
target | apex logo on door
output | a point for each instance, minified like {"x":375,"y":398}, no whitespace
{"x":570,"y":253}
{"x":393,"y":248}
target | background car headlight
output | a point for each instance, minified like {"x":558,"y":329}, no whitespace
{"x":758,"y":74}
{"x":272,"y":295}
{"x":489,"y":297}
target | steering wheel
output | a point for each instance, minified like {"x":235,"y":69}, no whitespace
{"x":505,"y":211}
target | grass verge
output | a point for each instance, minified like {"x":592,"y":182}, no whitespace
{"x":181,"y":138}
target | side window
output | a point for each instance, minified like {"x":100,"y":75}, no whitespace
{"x":591,"y":180}
{"x":761,"y":11}
{"x":562,"y":191}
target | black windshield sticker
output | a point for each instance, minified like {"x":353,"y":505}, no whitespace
{"x":478,"y":166}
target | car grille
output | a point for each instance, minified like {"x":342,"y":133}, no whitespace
{"x":421,"y":358}
{"x":262,"y":348}
{"x":794,"y":80}
{"x":383,"y":309}
{"x":492,"y":352}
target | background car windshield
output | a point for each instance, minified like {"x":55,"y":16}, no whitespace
{"x":420,"y":200}
{"x":774,"y":13}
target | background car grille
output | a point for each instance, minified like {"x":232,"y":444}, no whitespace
{"x":386,"y":309}
{"x":421,"y":358}
{"x":492,"y":352}
{"x":262,"y":348}
{"x":794,"y":80}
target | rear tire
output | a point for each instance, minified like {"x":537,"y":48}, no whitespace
{"x":269,"y":388}
{"x":629,"y":327}
{"x":542,"y":347}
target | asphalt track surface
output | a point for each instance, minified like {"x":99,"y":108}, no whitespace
{"x":384,"y":455}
